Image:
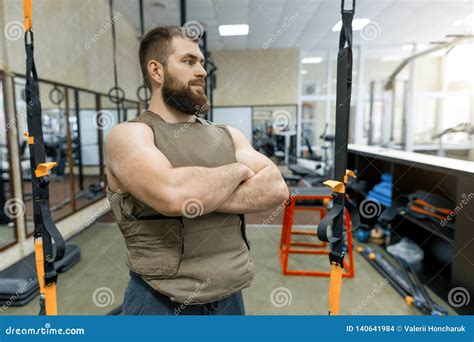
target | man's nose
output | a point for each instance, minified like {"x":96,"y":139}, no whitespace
{"x":201,"y":72}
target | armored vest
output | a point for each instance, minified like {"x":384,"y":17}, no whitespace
{"x":191,"y":259}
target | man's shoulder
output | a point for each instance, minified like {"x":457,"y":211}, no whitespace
{"x":129,"y":130}
{"x":130,"y":126}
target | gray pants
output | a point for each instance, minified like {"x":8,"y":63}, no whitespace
{"x":141,"y":299}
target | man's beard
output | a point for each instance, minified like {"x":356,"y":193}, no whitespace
{"x":182,"y":98}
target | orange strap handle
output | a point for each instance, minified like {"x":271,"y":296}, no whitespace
{"x":27,"y":13}
{"x":335,"y":284}
{"x":48,"y":291}
{"x":39,"y":263}
{"x":50,"y":300}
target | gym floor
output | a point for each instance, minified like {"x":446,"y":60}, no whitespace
{"x":102,"y":270}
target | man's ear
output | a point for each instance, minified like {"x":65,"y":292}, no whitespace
{"x":156,"y":71}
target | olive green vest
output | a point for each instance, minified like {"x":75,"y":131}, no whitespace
{"x":191,"y":260}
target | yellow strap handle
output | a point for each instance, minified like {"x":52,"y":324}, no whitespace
{"x":39,"y":263}
{"x":335,"y":284}
{"x":340,"y":187}
{"x":27,"y":13}
{"x":335,"y":186}
{"x":49,"y":291}
{"x":348,"y":174}
{"x":50,"y":299}
{"x":42,"y":169}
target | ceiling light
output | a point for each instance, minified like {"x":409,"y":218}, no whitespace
{"x":391,"y":58}
{"x":357,"y":24}
{"x":234,"y":30}
{"x":411,"y":47}
{"x":311,"y":60}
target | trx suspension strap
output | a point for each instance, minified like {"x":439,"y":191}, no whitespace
{"x":143,"y":93}
{"x":45,"y":231}
{"x":341,"y":175}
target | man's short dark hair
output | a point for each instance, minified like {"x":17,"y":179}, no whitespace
{"x":156,"y":44}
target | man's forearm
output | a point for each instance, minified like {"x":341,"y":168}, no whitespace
{"x":207,"y":187}
{"x":261,"y":192}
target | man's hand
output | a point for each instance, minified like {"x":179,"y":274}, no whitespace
{"x":263,"y":191}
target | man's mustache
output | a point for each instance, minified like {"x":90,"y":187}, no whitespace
{"x":198,"y":82}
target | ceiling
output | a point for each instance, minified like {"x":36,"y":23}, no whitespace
{"x":307,"y":24}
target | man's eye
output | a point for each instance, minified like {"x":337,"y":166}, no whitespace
{"x":188,"y":62}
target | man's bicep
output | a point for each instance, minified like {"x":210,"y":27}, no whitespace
{"x":133,"y":158}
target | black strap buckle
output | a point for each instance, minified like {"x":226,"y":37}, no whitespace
{"x":336,"y":258}
{"x":50,"y":277}
{"x":348,"y":10}
{"x":29,"y":37}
